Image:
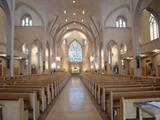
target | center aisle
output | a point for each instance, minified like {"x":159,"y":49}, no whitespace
{"x":74,"y":103}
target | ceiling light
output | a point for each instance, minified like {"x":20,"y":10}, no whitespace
{"x":74,"y":14}
{"x":129,"y":58}
{"x":91,"y":59}
{"x":18,"y":58}
{"x":83,"y":12}
{"x":74,"y":1}
{"x":82,"y":20}
{"x":81,"y":28}
{"x":2,"y":55}
{"x":74,"y":23}
{"x":58,"y":58}
{"x":67,"y":28}
{"x":92,"y":67}
{"x":65,"y":11}
{"x":53,"y":66}
{"x":143,"y":55}
{"x":66,"y":20}
{"x":156,"y":50}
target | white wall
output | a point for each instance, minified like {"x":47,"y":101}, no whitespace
{"x":22,"y":10}
{"x":117,"y":34}
{"x":3,"y":28}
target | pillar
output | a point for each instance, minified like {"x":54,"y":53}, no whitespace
{"x":10,"y":40}
{"x":49,"y":60}
{"x":29,"y":59}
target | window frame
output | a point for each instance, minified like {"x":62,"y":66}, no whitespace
{"x":153,"y":28}
{"x":121,"y":22}
{"x":26,"y":20}
{"x":80,"y":51}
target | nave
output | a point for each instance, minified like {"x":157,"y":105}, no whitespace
{"x":114,"y":45}
{"x":74,"y":103}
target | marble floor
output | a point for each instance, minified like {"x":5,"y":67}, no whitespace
{"x":74,"y":103}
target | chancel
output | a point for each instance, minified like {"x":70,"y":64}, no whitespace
{"x":79,"y":59}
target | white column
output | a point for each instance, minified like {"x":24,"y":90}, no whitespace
{"x":136,"y":11}
{"x":100,"y":56}
{"x":10,"y":40}
{"x":29,"y":59}
{"x":40,"y":62}
{"x":119,"y":60}
{"x":49,"y":60}
{"x":136,"y":47}
{"x":135,"y":38}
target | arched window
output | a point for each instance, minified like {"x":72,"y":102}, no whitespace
{"x":121,"y":22}
{"x":154,"y":28}
{"x":26,"y":20}
{"x":75,"y":52}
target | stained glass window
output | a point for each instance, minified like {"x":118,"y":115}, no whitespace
{"x":154,"y":30}
{"x":121,"y":22}
{"x":75,"y":52}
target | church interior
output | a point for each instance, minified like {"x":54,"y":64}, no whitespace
{"x":79,"y":59}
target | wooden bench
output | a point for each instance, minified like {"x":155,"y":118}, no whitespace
{"x":31,"y":85}
{"x":113,"y":103}
{"x":30,"y":101}
{"x":122,"y":88}
{"x":39,"y":91}
{"x":108,"y":90}
{"x":13,"y":109}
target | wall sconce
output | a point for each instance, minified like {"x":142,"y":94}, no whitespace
{"x":58,"y":58}
{"x":91,"y":59}
{"x":58,"y":67}
{"x":53,"y":65}
{"x":92,"y":67}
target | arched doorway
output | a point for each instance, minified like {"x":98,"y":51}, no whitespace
{"x":113,"y":57}
{"x":36,"y":57}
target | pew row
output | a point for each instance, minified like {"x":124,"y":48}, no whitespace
{"x":13,"y":109}
{"x":36,"y":92}
{"x":30,"y":102}
{"x":105,"y":90}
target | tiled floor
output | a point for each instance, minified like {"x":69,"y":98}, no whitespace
{"x":74,"y":103}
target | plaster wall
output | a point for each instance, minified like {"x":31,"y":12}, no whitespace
{"x":28,"y":34}
{"x":117,"y":34}
{"x":3,"y":28}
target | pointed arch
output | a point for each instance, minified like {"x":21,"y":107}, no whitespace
{"x":75,"y":53}
{"x":20,"y":4}
{"x":123,"y":10}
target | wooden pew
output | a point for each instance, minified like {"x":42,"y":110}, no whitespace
{"x":30,"y":101}
{"x":113,"y":102}
{"x":31,"y":85}
{"x":102,"y":96}
{"x":13,"y":109}
{"x":128,"y":108}
{"x":101,"y":88}
{"x":44,"y":87}
{"x":39,"y":91}
{"x":106,"y":91}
